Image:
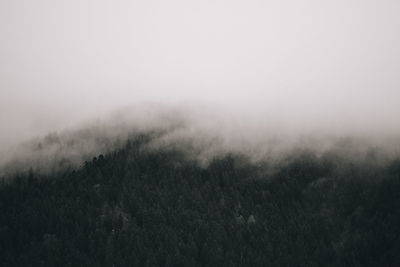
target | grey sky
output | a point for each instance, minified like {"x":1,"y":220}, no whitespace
{"x":328,"y":63}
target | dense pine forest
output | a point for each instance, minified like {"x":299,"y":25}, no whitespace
{"x":138,"y":206}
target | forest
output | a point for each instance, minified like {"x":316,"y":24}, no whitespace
{"x":136,"y":206}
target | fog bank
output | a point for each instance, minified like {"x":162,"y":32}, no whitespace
{"x":276,"y":67}
{"x":201,"y":132}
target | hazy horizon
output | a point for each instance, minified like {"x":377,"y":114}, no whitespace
{"x":307,"y":66}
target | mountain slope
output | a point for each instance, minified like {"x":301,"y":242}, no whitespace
{"x":153,"y":207}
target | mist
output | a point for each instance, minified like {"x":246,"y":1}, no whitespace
{"x":242,"y":71}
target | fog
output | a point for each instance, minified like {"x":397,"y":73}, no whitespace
{"x":279,"y":67}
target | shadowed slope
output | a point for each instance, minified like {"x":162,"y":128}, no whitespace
{"x":137,"y":207}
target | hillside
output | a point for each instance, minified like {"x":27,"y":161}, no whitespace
{"x":137,"y":206}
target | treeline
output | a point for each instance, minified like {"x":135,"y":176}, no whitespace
{"x":143,"y":207}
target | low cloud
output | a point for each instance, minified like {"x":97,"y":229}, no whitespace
{"x":202,"y":132}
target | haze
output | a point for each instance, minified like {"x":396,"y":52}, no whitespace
{"x":331,"y":65}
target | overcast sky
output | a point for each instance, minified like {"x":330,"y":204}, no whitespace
{"x":302,"y":61}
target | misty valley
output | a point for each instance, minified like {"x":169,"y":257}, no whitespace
{"x":138,"y":204}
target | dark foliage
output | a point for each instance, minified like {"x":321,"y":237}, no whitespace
{"x":137,"y":207}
